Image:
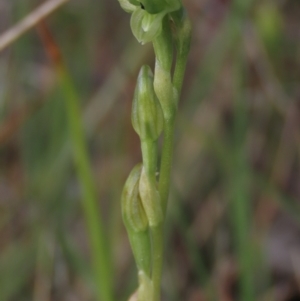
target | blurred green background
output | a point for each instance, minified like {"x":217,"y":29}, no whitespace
{"x":233,"y":228}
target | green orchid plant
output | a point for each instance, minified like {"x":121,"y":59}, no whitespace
{"x":145,"y":195}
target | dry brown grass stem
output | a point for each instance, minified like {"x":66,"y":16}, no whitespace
{"x":29,"y":21}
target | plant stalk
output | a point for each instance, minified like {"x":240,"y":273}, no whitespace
{"x":157,"y":259}
{"x":166,"y":163}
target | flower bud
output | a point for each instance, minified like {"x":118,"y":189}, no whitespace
{"x":132,"y":209}
{"x":165,"y":91}
{"x":151,"y":199}
{"x":136,"y":221}
{"x":146,"y":117}
{"x":146,"y":27}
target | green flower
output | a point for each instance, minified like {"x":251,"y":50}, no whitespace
{"x":147,"y":16}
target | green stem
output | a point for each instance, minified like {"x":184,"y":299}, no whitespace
{"x":179,"y":73}
{"x":149,"y":154}
{"x":169,"y":107}
{"x":100,"y":254}
{"x":183,"y":47}
{"x":166,"y":163}
{"x":157,"y":231}
{"x":157,"y":255}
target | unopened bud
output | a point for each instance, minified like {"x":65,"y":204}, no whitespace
{"x":147,"y":117}
{"x":132,"y":209}
{"x":165,"y":91}
{"x":151,"y":199}
{"x":136,"y":221}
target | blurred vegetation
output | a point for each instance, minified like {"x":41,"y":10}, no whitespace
{"x":234,"y":212}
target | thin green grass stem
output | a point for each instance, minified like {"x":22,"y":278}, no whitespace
{"x":241,"y":208}
{"x":240,"y":211}
{"x":101,"y":261}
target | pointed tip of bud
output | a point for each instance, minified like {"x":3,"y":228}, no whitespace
{"x":145,"y":74}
